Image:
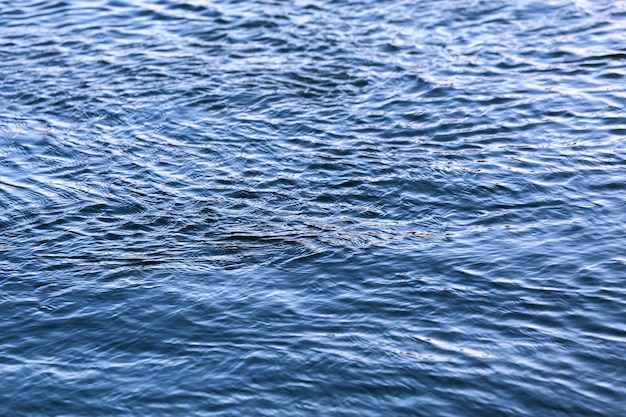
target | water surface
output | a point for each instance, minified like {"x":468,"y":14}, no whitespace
{"x":316,"y":207}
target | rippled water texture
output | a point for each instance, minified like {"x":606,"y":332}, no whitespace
{"x":313,"y":207}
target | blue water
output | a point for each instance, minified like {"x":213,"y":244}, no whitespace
{"x":313,"y":207}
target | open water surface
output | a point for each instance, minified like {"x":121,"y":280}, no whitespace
{"x":313,"y":207}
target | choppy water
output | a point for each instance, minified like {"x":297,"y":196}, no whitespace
{"x":312,"y":207}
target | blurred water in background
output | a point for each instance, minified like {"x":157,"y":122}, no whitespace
{"x":312,"y":207}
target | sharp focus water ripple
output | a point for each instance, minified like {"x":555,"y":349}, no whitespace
{"x":316,"y":207}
